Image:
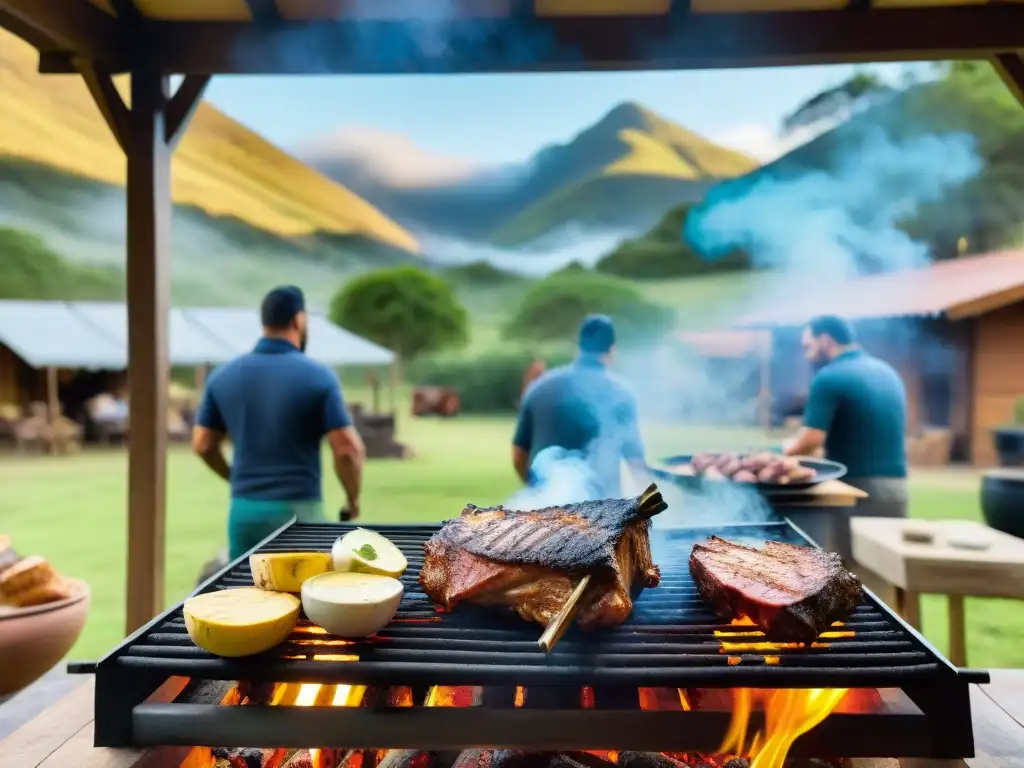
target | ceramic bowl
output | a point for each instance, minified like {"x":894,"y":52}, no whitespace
{"x":34,"y":639}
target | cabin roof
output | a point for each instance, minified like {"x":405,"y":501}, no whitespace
{"x":95,"y":335}
{"x":955,"y":289}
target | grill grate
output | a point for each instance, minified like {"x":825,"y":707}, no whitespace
{"x":157,"y":688}
{"x":670,"y":639}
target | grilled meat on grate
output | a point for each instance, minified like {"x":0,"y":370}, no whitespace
{"x":531,"y":561}
{"x":791,"y":593}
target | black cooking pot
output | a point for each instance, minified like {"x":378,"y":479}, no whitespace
{"x":1002,"y":500}
{"x":1009,"y":444}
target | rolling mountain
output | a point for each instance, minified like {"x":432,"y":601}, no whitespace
{"x":619,"y":174}
{"x":237,"y":197}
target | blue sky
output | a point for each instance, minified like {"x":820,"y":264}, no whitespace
{"x":499,"y":118}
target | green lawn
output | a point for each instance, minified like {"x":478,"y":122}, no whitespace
{"x":72,"y":509}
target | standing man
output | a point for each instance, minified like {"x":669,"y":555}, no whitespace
{"x":584,"y":408}
{"x":276,"y":405}
{"x":857,"y":410}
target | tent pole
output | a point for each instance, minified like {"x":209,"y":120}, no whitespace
{"x":147,"y":131}
{"x":200,"y":382}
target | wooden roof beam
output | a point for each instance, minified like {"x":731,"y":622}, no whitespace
{"x":682,"y":41}
{"x":1010,"y":67}
{"x":78,"y":27}
{"x":264,"y":11}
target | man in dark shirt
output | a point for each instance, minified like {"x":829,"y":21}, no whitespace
{"x":585,"y":409}
{"x":857,"y":410}
{"x":276,"y":405}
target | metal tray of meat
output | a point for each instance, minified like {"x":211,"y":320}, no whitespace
{"x":672,"y":470}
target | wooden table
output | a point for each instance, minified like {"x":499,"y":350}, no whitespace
{"x":831,"y":493}
{"x":62,"y":735}
{"x":939,"y":568}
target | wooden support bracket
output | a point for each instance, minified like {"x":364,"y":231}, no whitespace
{"x":100,"y":83}
{"x":1010,"y":67}
{"x":182,"y":106}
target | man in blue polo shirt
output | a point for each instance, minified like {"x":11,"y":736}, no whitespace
{"x":276,"y":405}
{"x":584,"y":409}
{"x":857,"y":409}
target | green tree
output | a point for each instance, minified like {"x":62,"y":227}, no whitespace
{"x":553,"y":308}
{"x":862,"y":89}
{"x":406,"y":309}
{"x":31,"y":270}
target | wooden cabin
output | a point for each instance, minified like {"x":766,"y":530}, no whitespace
{"x":953,"y":330}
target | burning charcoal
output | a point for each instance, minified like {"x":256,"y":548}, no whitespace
{"x":562,"y":760}
{"x":238,"y":757}
{"x":256,"y":693}
{"x":518,"y":758}
{"x":649,"y":760}
{"x":406,"y":758}
{"x":585,"y":759}
{"x":474,"y":758}
{"x":737,"y":762}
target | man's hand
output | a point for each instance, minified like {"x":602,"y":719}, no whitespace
{"x":349,"y":455}
{"x":351,"y":509}
{"x":807,"y":441}
{"x":209,"y":446}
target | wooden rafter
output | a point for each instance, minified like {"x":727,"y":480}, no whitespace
{"x":264,"y":11}
{"x":126,"y":10}
{"x":77,"y":27}
{"x":683,"y":40}
{"x":182,"y":106}
{"x":1010,"y":67}
{"x":101,"y":86}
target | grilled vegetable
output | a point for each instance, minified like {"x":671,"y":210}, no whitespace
{"x":363,"y":551}
{"x":240,"y":622}
{"x":286,"y":571}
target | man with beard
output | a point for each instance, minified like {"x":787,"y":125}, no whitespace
{"x":276,"y":405}
{"x":587,"y":412}
{"x":857,"y":410}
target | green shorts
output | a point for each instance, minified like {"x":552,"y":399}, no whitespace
{"x":252,"y":520}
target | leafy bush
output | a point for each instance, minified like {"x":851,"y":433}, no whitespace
{"x":663,"y":252}
{"x":487,"y":384}
{"x":31,"y":270}
{"x":406,"y":309}
{"x":552,"y":309}
{"x":1018,"y":412}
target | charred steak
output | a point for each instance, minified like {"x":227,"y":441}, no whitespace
{"x":531,"y":561}
{"x":791,"y":593}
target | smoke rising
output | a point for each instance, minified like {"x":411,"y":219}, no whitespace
{"x":560,"y":477}
{"x":834,"y":224}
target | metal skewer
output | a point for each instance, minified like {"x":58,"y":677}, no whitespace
{"x":557,"y":626}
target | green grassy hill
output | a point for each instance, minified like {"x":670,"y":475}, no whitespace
{"x":621,"y":172}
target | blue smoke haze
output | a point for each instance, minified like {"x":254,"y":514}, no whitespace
{"x":830,"y":224}
{"x":437,"y":39}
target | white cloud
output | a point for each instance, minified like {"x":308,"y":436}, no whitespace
{"x":392,"y":158}
{"x":765,"y":142}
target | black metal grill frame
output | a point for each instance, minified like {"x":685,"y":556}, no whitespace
{"x":669,"y":641}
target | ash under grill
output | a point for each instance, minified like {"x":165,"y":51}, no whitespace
{"x":589,"y":693}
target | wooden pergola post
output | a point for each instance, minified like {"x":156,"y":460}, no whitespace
{"x":53,"y":406}
{"x":147,"y":132}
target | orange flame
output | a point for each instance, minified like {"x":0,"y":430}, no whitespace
{"x":789,"y":713}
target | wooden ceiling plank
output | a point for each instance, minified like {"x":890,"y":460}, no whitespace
{"x":72,"y":25}
{"x":1010,"y":67}
{"x":682,"y":41}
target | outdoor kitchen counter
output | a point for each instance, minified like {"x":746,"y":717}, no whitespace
{"x":62,"y":735}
